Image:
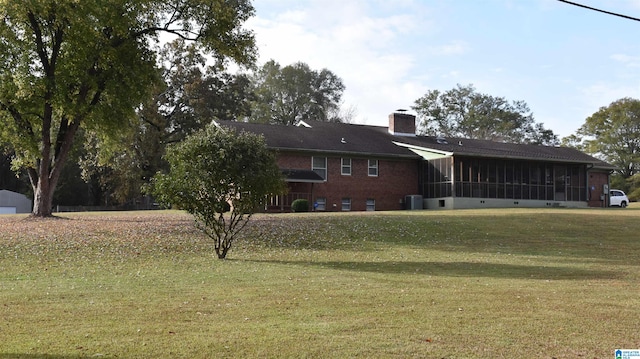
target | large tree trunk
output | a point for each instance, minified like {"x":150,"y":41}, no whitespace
{"x":43,"y":198}
{"x":44,"y":183}
{"x":44,"y":179}
{"x":43,"y":188}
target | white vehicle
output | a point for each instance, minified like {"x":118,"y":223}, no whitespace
{"x":618,"y":198}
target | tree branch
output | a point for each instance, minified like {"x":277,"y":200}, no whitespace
{"x":181,"y":33}
{"x":19,"y":120}
{"x":40,"y":48}
{"x":33,"y":177}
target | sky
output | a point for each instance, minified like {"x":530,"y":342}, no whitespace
{"x":564,"y":61}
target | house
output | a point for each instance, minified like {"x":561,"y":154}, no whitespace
{"x":348,"y":167}
{"x":12,"y":202}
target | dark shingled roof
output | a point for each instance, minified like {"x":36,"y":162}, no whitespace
{"x":328,"y":138}
{"x":364,"y":140}
{"x":492,"y":149}
{"x":297,"y":175}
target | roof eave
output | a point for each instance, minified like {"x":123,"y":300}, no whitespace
{"x":350,"y":153}
{"x":525,"y":158}
{"x":304,"y":181}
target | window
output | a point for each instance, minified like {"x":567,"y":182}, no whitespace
{"x":373,"y":168}
{"x":371,"y":204}
{"x":346,"y":167}
{"x":346,"y":204}
{"x":321,"y":204}
{"x":319,"y":166}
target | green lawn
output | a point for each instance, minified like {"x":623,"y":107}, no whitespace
{"x":544,"y":283}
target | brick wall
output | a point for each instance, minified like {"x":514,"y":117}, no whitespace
{"x":396,"y":179}
{"x":596,"y":180}
{"x":402,"y":123}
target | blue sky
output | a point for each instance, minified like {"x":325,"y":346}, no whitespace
{"x":565,"y":62}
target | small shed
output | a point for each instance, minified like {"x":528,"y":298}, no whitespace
{"x":12,"y":202}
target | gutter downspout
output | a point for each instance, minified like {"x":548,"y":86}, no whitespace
{"x":589,"y":167}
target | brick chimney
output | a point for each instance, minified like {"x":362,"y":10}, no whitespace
{"x":402,"y":124}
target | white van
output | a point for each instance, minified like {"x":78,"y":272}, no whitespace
{"x":618,"y":198}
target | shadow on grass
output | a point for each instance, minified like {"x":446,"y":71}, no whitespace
{"x":462,"y":269}
{"x":584,"y":235}
{"x":32,"y":218}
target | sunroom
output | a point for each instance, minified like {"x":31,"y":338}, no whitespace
{"x":483,"y":177}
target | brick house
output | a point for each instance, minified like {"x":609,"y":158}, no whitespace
{"x":348,"y":167}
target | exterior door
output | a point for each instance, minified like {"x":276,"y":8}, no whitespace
{"x":560,"y":188}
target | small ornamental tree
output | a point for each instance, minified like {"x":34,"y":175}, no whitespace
{"x":220,"y":177}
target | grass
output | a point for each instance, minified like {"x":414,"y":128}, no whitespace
{"x":552,"y":283}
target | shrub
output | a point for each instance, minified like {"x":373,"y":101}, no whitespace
{"x":634,"y":196}
{"x":220,"y":177}
{"x":300,"y":205}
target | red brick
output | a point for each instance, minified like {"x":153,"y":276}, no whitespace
{"x":396,"y":179}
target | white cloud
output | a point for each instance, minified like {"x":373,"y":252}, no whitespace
{"x":361,"y":46}
{"x":635,"y":4}
{"x":390,"y":53}
{"x":630,"y":61}
{"x":456,"y":47}
{"x":602,"y":94}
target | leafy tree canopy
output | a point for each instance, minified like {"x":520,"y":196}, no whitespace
{"x":71,"y":64}
{"x":193,"y":94}
{"x":220,"y":177}
{"x":613,"y":134}
{"x":287,"y":95}
{"x":463,"y":112}
{"x":190,"y":95}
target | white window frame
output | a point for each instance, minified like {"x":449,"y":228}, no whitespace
{"x":346,"y":204}
{"x":372,"y":167}
{"x":321,"y":204}
{"x":322,"y":171}
{"x":371,"y":204}
{"x":345,"y":166}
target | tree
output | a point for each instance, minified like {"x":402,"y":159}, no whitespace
{"x":9,"y":179}
{"x":613,"y":134}
{"x":633,"y":187}
{"x":220,"y":177}
{"x":463,"y":112}
{"x":190,"y":95}
{"x":287,"y":95}
{"x":193,"y":94}
{"x":65,"y":65}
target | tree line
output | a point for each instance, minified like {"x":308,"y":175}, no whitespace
{"x":613,"y":134}
{"x":90,"y":100}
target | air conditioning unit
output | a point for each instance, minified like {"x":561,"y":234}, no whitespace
{"x":413,"y":201}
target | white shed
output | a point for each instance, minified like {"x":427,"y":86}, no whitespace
{"x":12,"y":202}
